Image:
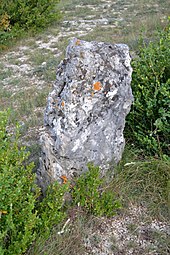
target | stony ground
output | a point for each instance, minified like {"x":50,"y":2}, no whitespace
{"x":131,"y":233}
{"x":27,"y":72}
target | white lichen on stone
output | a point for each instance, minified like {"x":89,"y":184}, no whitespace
{"x":85,"y":114}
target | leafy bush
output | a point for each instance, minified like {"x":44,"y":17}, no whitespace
{"x":23,"y":216}
{"x":18,"y":194}
{"x":19,"y":15}
{"x":28,"y":13}
{"x":148,"y":124}
{"x":51,"y":209}
{"x":90,"y":193}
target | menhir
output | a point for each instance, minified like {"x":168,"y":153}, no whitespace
{"x":85,"y":113}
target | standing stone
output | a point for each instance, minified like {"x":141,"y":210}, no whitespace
{"x":85,"y":113}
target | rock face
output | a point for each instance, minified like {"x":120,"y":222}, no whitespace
{"x":85,"y":113}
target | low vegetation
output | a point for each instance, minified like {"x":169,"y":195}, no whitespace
{"x":146,"y":181}
{"x":91,"y":193}
{"x":20,"y":16}
{"x":18,"y":194}
{"x":148,"y":122}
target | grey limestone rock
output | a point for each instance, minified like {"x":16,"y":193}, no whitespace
{"x":85,"y":113}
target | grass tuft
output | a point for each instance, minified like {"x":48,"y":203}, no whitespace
{"x":145,"y":182}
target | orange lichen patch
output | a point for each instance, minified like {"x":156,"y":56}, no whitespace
{"x":78,"y":42}
{"x":64,"y":179}
{"x":62,"y":103}
{"x":3,"y":212}
{"x":97,"y":85}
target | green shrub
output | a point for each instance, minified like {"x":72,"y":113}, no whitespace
{"x":29,"y":13}
{"x":51,"y":209}
{"x":90,"y":193}
{"x":23,"y":216}
{"x":148,"y":124}
{"x":17,"y":16}
{"x":18,"y":194}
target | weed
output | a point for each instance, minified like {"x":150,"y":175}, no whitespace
{"x":69,"y":243}
{"x":18,"y":194}
{"x":145,"y":181}
{"x":148,"y":121}
{"x":89,"y":192}
{"x":18,"y":17}
{"x":21,"y":214}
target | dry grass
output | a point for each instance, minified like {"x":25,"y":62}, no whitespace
{"x":146,"y":181}
{"x":68,"y":243}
